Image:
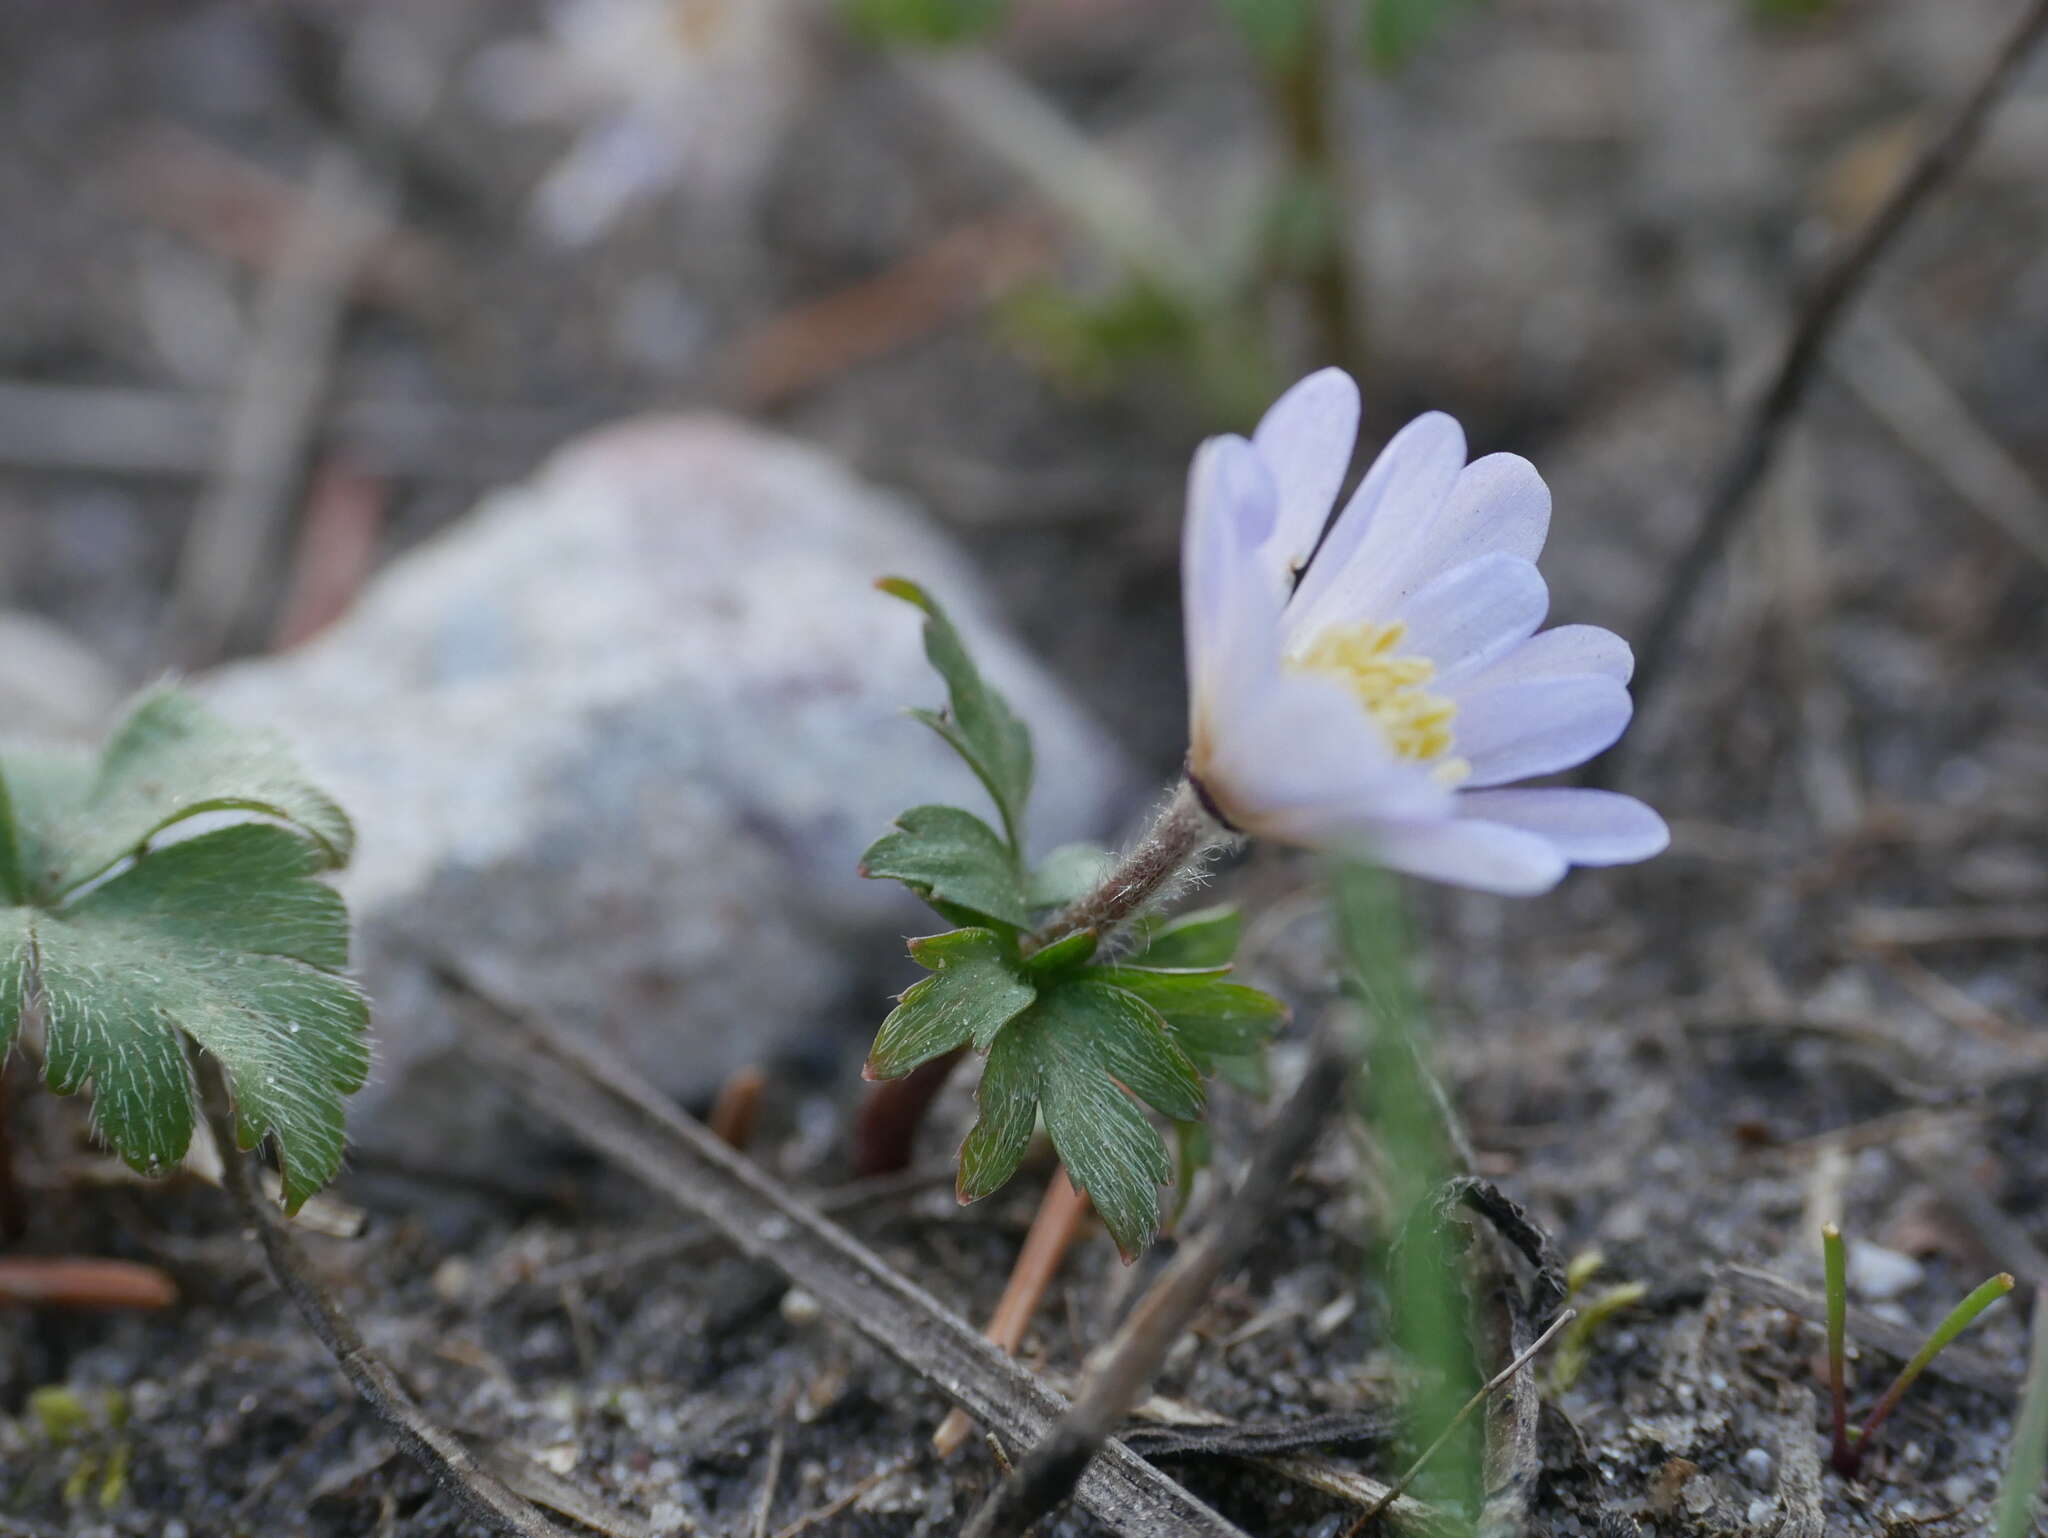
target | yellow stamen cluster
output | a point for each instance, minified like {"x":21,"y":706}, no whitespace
{"x":1390,"y":687}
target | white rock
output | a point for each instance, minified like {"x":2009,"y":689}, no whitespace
{"x":52,"y":688}
{"x":617,"y":741}
{"x":1878,"y":1275}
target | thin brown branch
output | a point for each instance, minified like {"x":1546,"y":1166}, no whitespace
{"x":83,"y":1283}
{"x":283,"y":387}
{"x":480,"y":1492}
{"x":1047,"y":1474}
{"x":1757,"y":440}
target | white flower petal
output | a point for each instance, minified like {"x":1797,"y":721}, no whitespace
{"x":1497,"y":505}
{"x":1297,"y":760}
{"x":1398,"y":498}
{"x":1473,"y":614}
{"x":1518,"y":730}
{"x":1589,"y":827}
{"x":1557,"y":653}
{"x":1306,"y":440}
{"x":1487,"y":856}
{"x":1230,"y":607}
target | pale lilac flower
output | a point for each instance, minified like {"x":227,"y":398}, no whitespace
{"x":1382,"y":697}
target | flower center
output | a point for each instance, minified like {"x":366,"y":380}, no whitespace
{"x":1390,"y":688}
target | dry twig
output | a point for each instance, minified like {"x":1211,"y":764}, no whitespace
{"x":82,"y":1282}
{"x":283,"y":384}
{"x":1757,"y":440}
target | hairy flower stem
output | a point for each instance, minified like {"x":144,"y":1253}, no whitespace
{"x":1184,"y":836}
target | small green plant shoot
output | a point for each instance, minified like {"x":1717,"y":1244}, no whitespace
{"x":1081,"y":1021}
{"x":1850,"y":1443}
{"x":128,"y":929}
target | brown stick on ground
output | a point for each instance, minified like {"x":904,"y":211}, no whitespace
{"x":278,"y":400}
{"x":737,"y":1107}
{"x":1047,"y":1474}
{"x":73,"y":1282}
{"x":1757,"y":440}
{"x":1052,"y":1231}
{"x":480,"y":1492}
{"x":609,"y":1107}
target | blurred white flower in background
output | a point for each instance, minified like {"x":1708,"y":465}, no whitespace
{"x":663,"y":94}
{"x":1379,"y":697}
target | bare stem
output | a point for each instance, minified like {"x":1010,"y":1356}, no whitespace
{"x":2029,"y":1438}
{"x":1960,"y":1318}
{"x":1052,"y":1233}
{"x":1177,"y":844}
{"x":1834,"y":1261}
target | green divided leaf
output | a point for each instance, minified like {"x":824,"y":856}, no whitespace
{"x":1210,"y":1017}
{"x":926,"y":22}
{"x":1205,"y":938}
{"x":1278,"y":30}
{"x":1066,"y":875}
{"x":1130,"y":1041}
{"x":1396,"y":29}
{"x":229,"y":938}
{"x":1064,"y":956}
{"x":170,"y":759}
{"x":974,"y":990}
{"x":1008,"y":1099}
{"x":1080,"y":1054}
{"x":978,"y":723}
{"x":954,"y":861}
{"x":13,"y":884}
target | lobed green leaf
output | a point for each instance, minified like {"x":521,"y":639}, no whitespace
{"x":229,"y":939}
{"x":978,"y":722}
{"x":1210,"y":1017}
{"x":1111,"y":1152}
{"x":1106,"y":1030}
{"x":1061,"y":958}
{"x":1066,"y":875}
{"x":170,"y":759}
{"x":1395,"y":30}
{"x":13,"y":884}
{"x":926,"y":22}
{"x":1206,"y":937}
{"x":954,"y":861}
{"x":126,"y":944}
{"x":1008,"y":1101}
{"x":972,"y":993}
